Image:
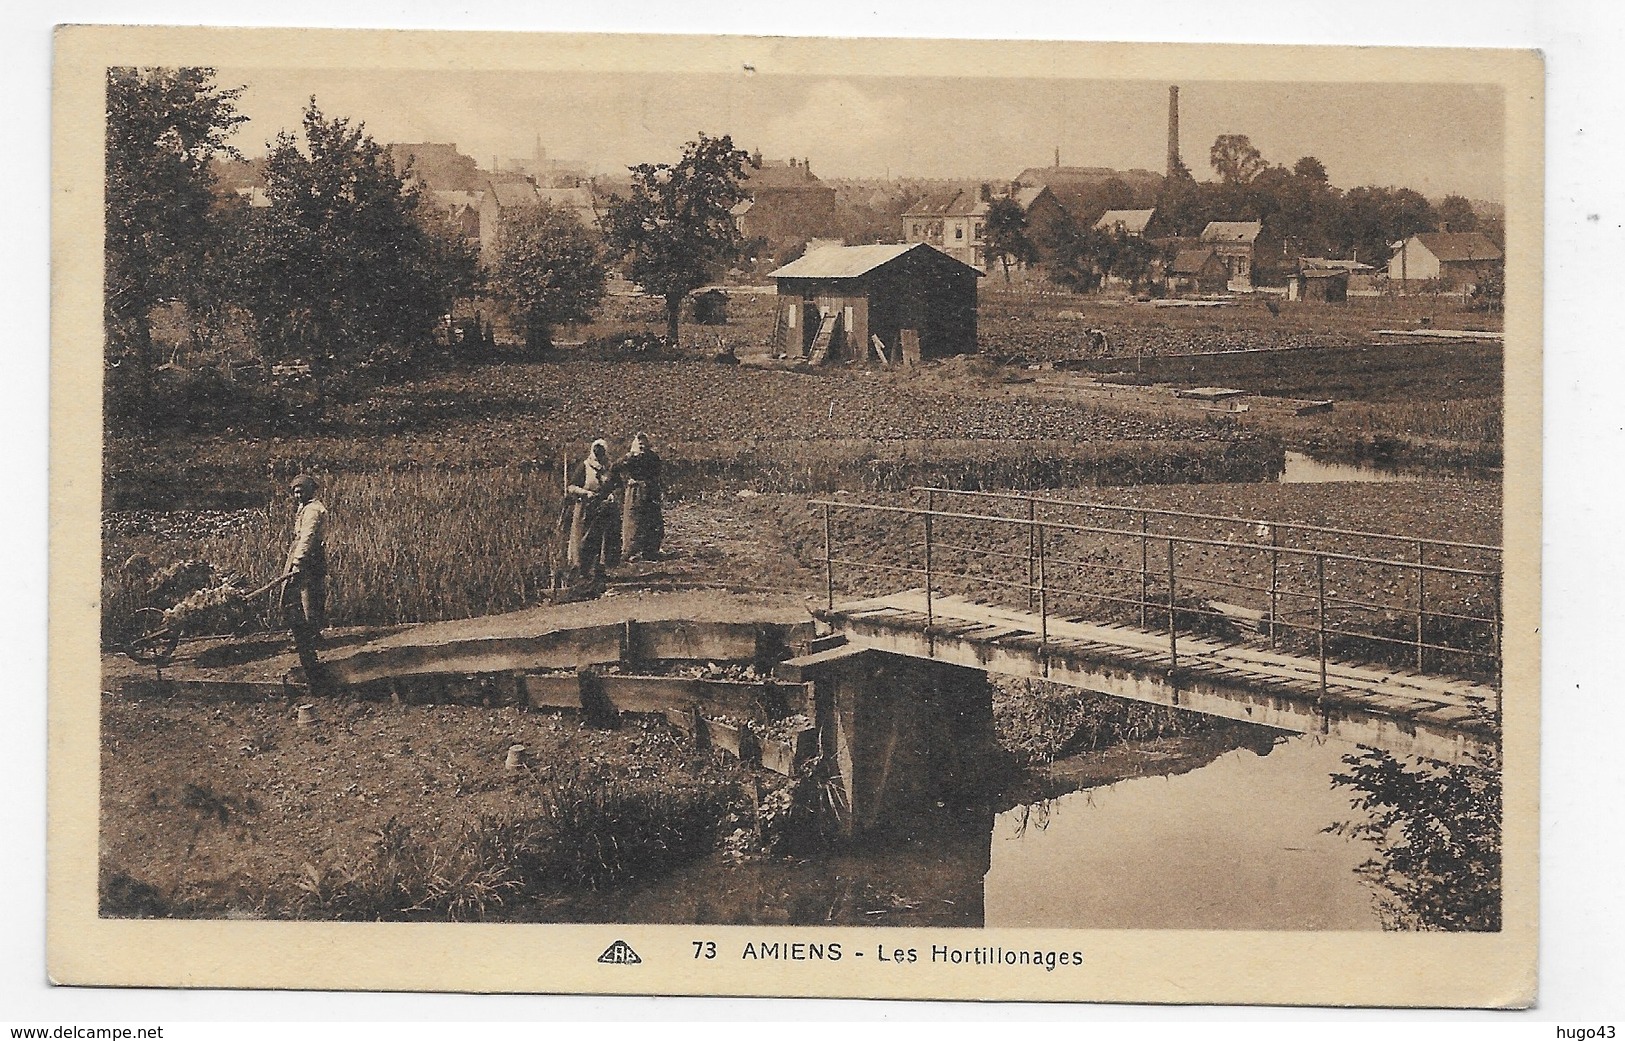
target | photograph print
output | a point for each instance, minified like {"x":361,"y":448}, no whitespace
{"x":759,"y":512}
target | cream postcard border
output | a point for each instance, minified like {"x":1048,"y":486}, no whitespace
{"x":1224,"y":967}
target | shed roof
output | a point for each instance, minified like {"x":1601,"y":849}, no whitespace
{"x":1133,"y":221}
{"x":1327,"y":264}
{"x":852,"y":261}
{"x":1192,"y":261}
{"x":1459,"y":245}
{"x":1232,"y":230}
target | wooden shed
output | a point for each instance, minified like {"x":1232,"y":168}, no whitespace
{"x":835,"y":301}
{"x":1324,"y":284}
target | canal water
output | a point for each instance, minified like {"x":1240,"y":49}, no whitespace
{"x":1301,"y":469}
{"x":1237,"y":843}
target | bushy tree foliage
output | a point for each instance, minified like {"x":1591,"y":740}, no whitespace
{"x":164,"y":127}
{"x":674,"y":229}
{"x":343,"y":265}
{"x":1435,"y":832}
{"x":1457,"y":214}
{"x":1235,"y":159}
{"x":549,"y":269}
{"x":1005,"y":237}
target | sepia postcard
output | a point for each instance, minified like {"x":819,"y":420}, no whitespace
{"x":803,"y":517}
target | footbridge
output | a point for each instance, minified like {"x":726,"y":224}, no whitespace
{"x":1383,"y":640}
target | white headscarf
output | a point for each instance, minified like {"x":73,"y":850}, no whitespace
{"x":597,"y":464}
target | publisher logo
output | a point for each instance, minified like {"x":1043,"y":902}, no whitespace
{"x":620,"y":953}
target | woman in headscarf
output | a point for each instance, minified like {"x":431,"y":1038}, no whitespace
{"x":594,"y":527}
{"x":643,"y":525}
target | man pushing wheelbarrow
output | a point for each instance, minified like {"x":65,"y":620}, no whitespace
{"x":304,"y":577}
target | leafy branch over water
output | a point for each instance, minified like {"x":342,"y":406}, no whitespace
{"x":1436,"y":833}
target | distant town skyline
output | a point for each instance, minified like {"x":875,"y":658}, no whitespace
{"x":1435,"y":138}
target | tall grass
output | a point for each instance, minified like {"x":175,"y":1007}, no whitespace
{"x":403,"y":547}
{"x":581,"y":836}
{"x":433,"y":544}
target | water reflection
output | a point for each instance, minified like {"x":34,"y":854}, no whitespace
{"x":1236,"y":844}
{"x":1237,"y":840}
{"x":1301,"y":469}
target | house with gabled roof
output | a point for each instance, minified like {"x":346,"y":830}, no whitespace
{"x":954,"y":222}
{"x":1456,"y":258}
{"x":785,"y":203}
{"x":1200,"y":270}
{"x":1125,"y":222}
{"x":1236,"y":242}
{"x":835,"y":303}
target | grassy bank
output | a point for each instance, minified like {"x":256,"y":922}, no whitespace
{"x":388,"y":813}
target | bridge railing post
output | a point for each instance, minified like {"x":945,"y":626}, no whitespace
{"x":1495,"y":641}
{"x":1032,"y":548}
{"x":1043,"y":596}
{"x":829,"y":565}
{"x":1421,"y":609}
{"x":1320,"y":616}
{"x":1173,"y":627}
{"x":1275,"y":579}
{"x":1145,"y":571}
{"x":930,"y":617}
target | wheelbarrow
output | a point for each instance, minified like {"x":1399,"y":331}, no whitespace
{"x":152,"y":639}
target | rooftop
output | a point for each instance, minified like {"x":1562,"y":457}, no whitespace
{"x":1232,"y":230}
{"x":851,"y":261}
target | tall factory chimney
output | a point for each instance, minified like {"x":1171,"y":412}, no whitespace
{"x":1173,"y":130}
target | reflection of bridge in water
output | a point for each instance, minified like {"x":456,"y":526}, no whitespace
{"x":1383,"y":640}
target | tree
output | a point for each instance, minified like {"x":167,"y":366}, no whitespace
{"x":1005,"y":235}
{"x":674,"y":229}
{"x":164,"y":126}
{"x":343,"y":266}
{"x":1132,"y":257}
{"x":1310,"y":169}
{"x":1435,"y":835}
{"x":549,"y":270}
{"x":1082,"y":256}
{"x":1375,"y":218}
{"x":1456,"y":214}
{"x":1235,"y":159}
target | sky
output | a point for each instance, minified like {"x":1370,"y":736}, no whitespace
{"x":1434,"y":138}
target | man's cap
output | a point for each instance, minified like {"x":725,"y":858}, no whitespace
{"x":304,"y":481}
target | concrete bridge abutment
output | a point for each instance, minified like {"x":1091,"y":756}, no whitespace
{"x":910,"y":740}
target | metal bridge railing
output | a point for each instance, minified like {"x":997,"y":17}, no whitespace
{"x":1160,"y":578}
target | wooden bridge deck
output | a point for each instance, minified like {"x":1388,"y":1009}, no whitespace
{"x":1442,"y":717}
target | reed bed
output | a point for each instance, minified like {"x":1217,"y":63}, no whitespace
{"x":405,"y":546}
